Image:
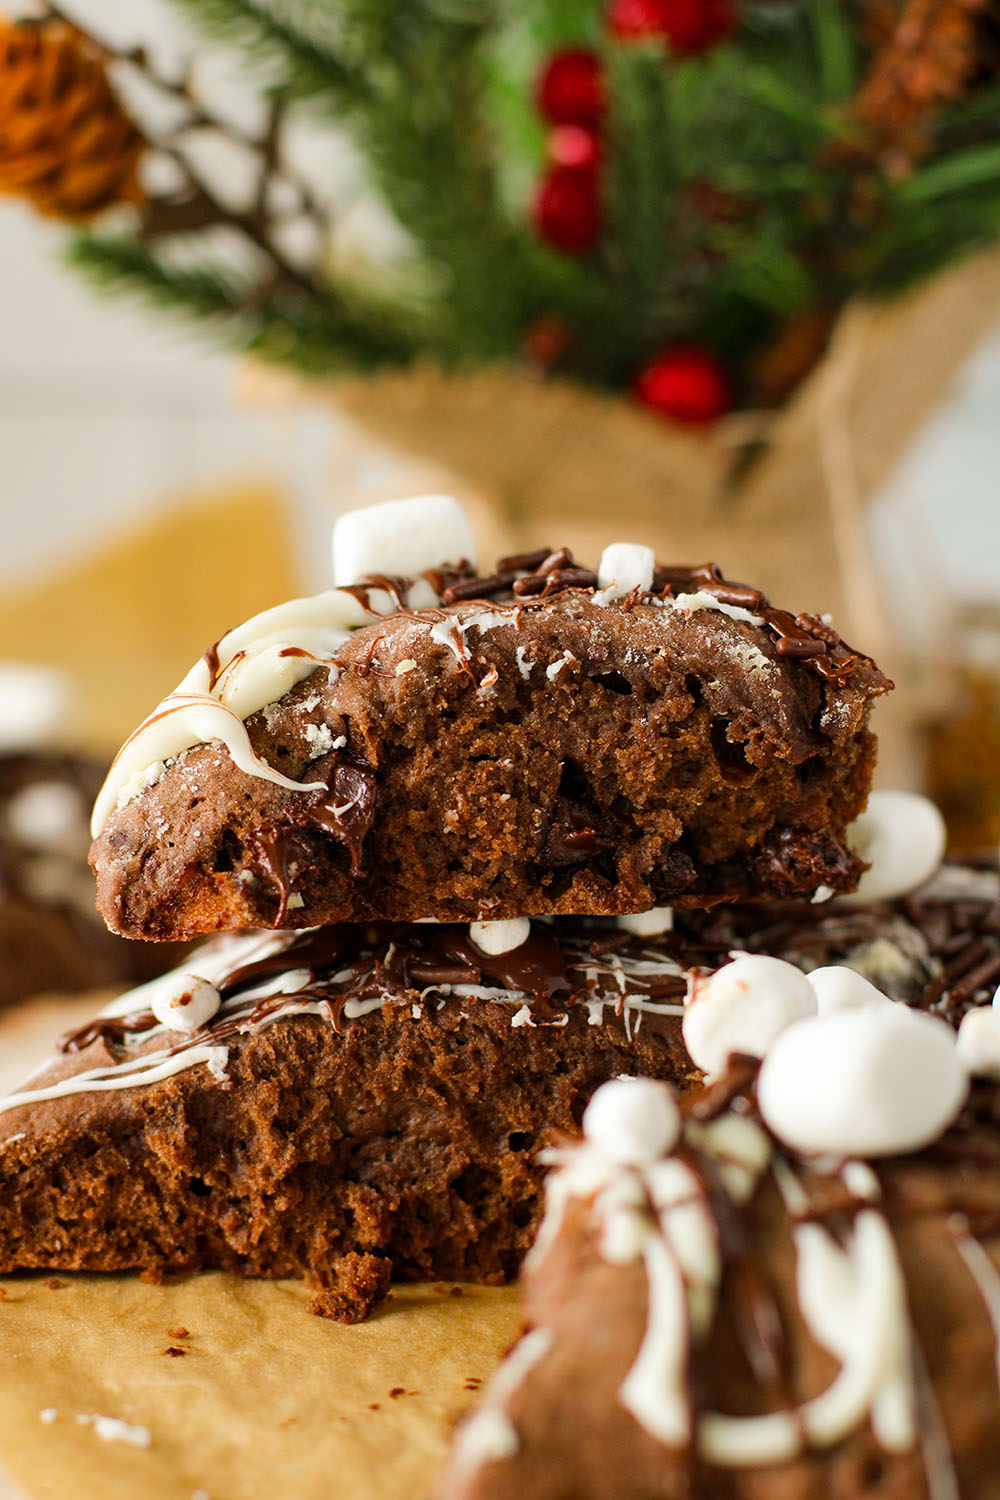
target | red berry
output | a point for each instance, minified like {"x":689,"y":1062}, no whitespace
{"x":695,"y":25}
{"x":629,"y":19}
{"x":573,"y":146}
{"x":567,"y":209}
{"x":571,"y":88}
{"x":688,"y":25}
{"x":687,"y":383}
{"x":545,"y":341}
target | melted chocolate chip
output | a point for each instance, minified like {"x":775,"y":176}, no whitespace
{"x":577,"y":832}
{"x":282,"y":854}
{"x":350,"y":813}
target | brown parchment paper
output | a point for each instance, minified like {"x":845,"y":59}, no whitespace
{"x":268,"y":1402}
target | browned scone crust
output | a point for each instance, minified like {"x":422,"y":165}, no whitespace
{"x":410,"y":1134}
{"x":576,"y":1441}
{"x":544,"y":756}
{"x":51,"y":937}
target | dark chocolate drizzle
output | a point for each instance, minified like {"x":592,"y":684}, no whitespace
{"x":545,"y":572}
{"x":554,"y":968}
{"x":106,"y":1029}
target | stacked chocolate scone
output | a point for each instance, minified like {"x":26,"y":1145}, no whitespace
{"x":459,"y":803}
{"x":487,"y":856}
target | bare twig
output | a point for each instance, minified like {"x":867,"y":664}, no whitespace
{"x":200,"y":207}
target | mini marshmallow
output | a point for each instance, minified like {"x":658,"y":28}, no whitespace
{"x":186,"y":1003}
{"x":840,"y":988}
{"x":625,"y":566}
{"x":650,"y":923}
{"x":742,"y":1008}
{"x":401,"y":537}
{"x":872,"y":1082}
{"x":979,"y":1042}
{"x":48,"y":816}
{"x":902,"y":836}
{"x":35,"y":704}
{"x":632,"y":1121}
{"x":500,"y":937}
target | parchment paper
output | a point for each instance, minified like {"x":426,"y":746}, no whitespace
{"x":267,"y":1403}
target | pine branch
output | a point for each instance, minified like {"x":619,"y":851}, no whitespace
{"x":836,"y":48}
{"x":409,"y":74}
{"x":433,"y":156}
{"x":120,"y":263}
{"x":923,"y":240}
{"x":748,"y":192}
{"x":641,"y":257}
{"x":280,"y":326}
{"x":297,"y":64}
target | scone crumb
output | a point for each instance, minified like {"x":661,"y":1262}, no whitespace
{"x":362,"y":1282}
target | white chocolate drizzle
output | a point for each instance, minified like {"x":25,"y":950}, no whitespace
{"x":690,"y":604}
{"x":984,"y":1273}
{"x":137,"y":1073}
{"x":258,"y":662}
{"x":851,"y":1290}
{"x":489,"y":1435}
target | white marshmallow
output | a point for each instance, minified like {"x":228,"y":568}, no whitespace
{"x":871,"y":1082}
{"x":742,"y":1008}
{"x":184,"y":1002}
{"x":500,"y":937}
{"x":979,"y":1041}
{"x":35,"y":703}
{"x":632,"y":1121}
{"x":840,"y":988}
{"x":650,"y":923}
{"x":401,"y":537}
{"x":625,"y":566}
{"x":902,"y":836}
{"x":48,"y":816}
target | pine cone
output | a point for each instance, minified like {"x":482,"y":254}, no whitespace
{"x":66,"y":143}
{"x":931,"y":58}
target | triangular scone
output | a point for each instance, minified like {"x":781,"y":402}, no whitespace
{"x":713,"y":1316}
{"x":337,"y":1092}
{"x":534,"y":742}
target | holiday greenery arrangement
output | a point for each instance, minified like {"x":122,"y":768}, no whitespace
{"x":673,"y":198}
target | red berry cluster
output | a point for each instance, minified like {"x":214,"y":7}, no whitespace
{"x":571,"y":99}
{"x":685,"y":382}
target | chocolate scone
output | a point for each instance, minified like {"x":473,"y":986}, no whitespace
{"x":542,"y":740}
{"x":51,"y":937}
{"x":295,"y":1099}
{"x":716,"y":1313}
